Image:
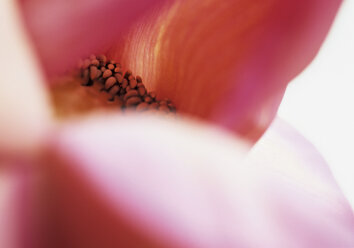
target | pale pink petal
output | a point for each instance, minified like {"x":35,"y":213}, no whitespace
{"x":25,"y":114}
{"x":228,"y":62}
{"x":161,"y":183}
{"x":299,"y":191}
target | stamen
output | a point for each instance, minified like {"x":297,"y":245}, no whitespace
{"x":127,"y":90}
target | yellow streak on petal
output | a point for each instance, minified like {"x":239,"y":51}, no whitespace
{"x":167,"y":19}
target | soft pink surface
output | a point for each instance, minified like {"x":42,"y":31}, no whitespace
{"x":186,"y":185}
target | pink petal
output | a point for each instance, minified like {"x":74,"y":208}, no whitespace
{"x":18,"y":214}
{"x":8,"y":206}
{"x":121,"y":182}
{"x":227,"y":62}
{"x":25,"y":114}
{"x":64,"y":31}
{"x":300,"y":192}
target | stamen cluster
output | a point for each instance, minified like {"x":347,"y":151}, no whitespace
{"x":124,"y":88}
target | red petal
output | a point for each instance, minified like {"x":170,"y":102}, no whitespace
{"x":64,"y":31}
{"x":230,"y":61}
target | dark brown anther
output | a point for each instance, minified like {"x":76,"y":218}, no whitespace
{"x":107,"y":78}
{"x":132,"y":83}
{"x":99,"y":73}
{"x":110,"y":66}
{"x":133,"y":101}
{"x":110,"y":82}
{"x":85,"y":77}
{"x":122,"y":92}
{"x":107,"y":73}
{"x":125,"y":83}
{"x":119,"y":77}
{"x":153,"y":95}
{"x":142,"y":106}
{"x":114,"y":90}
{"x":139,"y":79}
{"x":93,"y":72}
{"x":102,"y":59}
{"x":118,"y":70}
{"x":127,"y":74}
{"x":141,"y":91}
{"x":95,"y":62}
{"x":86,"y":63}
{"x":130,"y":94}
{"x":147,"y":99}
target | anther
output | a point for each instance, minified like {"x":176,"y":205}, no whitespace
{"x":130,"y":94}
{"x":119,"y":77}
{"x":132,"y":83}
{"x":110,"y":82}
{"x":125,"y":89}
{"x":95,"y":62}
{"x":110,"y":66}
{"x":107,"y":73}
{"x":93,"y":72}
{"x":142,"y":91}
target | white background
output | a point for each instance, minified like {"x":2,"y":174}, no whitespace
{"x":320,"y":101}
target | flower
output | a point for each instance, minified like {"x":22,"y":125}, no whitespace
{"x":133,"y":181}
{"x":178,"y":47}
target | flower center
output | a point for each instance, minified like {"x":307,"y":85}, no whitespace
{"x":102,"y":84}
